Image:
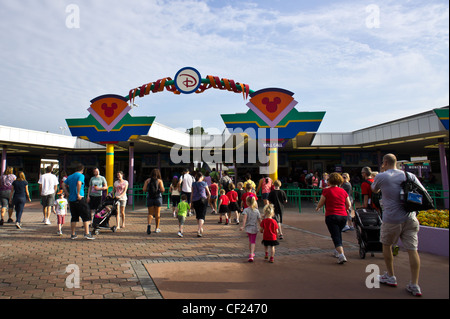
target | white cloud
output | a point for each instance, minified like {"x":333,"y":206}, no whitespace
{"x":324,"y":53}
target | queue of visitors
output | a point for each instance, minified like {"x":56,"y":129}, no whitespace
{"x":193,"y":195}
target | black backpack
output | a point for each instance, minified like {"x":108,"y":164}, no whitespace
{"x":153,"y":189}
{"x":415,"y":196}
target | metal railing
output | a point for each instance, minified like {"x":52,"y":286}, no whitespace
{"x":294,"y":194}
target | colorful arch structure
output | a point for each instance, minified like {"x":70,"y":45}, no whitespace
{"x":271,"y":110}
{"x":273,"y":119}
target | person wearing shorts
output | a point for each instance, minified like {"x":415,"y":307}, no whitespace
{"x":77,"y":203}
{"x":397,"y":223}
{"x":182,"y":208}
{"x":120,"y":193}
{"x":199,"y":199}
{"x":61,"y":211}
{"x":265,"y":185}
{"x":154,"y":188}
{"x":48,"y":185}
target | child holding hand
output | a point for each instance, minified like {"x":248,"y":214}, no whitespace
{"x":223,"y":206}
{"x":251,"y":221}
{"x":269,"y":229}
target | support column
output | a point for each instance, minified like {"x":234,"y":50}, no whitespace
{"x":444,"y":170}
{"x":131,"y":173}
{"x":273,"y":163}
{"x":110,"y":165}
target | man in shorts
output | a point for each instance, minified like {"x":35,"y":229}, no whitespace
{"x":48,"y":185}
{"x":397,"y":223}
{"x":77,"y":202}
{"x":185,"y":184}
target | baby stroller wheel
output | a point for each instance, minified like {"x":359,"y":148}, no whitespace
{"x":114,"y":228}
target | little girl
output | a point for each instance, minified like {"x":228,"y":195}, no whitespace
{"x":61,"y":210}
{"x":233,"y":205}
{"x":174,"y":191}
{"x":223,"y":206}
{"x":214,"y":188}
{"x":251,"y":222}
{"x":269,"y":229}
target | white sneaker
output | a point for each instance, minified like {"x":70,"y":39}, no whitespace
{"x":180,"y":234}
{"x":157,"y":230}
{"x":341,"y":259}
{"x":47,"y":222}
{"x":413,"y":289}
{"x":388,"y":280}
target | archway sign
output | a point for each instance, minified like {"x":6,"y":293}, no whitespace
{"x":271,"y":119}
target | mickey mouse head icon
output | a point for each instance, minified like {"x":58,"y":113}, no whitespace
{"x":271,"y":106}
{"x":109,"y":110}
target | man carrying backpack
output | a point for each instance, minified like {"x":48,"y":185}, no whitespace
{"x":397,"y":223}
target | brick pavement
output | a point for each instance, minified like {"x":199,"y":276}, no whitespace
{"x":130,"y":264}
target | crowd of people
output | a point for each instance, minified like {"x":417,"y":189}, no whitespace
{"x":192,"y":194}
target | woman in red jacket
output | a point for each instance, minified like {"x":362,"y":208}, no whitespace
{"x":336,"y":203}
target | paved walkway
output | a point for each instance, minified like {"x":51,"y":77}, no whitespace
{"x":129,"y":264}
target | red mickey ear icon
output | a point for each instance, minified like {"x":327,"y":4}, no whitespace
{"x":271,"y":106}
{"x":109,"y":111}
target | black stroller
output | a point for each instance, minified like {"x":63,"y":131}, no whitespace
{"x":104,"y":213}
{"x":367,"y":225}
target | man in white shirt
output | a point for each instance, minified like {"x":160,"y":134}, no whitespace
{"x":186,"y":181}
{"x":48,"y":185}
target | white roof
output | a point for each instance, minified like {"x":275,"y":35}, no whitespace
{"x":13,"y":135}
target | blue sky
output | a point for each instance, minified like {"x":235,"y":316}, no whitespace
{"x":363,"y":62}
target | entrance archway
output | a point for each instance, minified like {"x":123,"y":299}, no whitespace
{"x":271,"y":113}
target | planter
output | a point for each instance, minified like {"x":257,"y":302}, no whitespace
{"x":433,"y":240}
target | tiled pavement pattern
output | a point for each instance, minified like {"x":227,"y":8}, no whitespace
{"x":33,"y":260}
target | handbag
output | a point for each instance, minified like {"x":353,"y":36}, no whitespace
{"x":414,"y":196}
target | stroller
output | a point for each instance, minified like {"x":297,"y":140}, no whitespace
{"x":104,"y":213}
{"x":367,"y":225}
